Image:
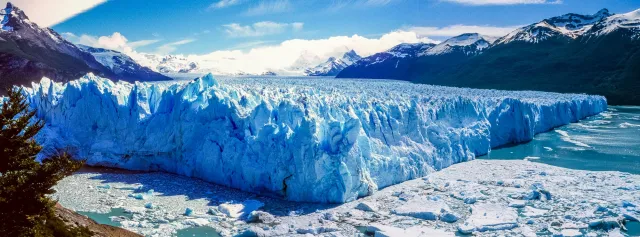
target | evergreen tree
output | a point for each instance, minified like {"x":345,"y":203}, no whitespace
{"x":25,"y":209}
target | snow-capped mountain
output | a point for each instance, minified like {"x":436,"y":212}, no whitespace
{"x":398,"y":52}
{"x":122,"y":65}
{"x":169,"y":63}
{"x":572,"y":53}
{"x":29,"y":52}
{"x":628,"y":21}
{"x":334,"y":65}
{"x":305,"y":61}
{"x":469,"y":44}
{"x":569,"y":26}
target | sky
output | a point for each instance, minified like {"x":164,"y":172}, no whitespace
{"x":259,"y":29}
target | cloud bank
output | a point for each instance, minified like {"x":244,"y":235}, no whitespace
{"x":260,"y":28}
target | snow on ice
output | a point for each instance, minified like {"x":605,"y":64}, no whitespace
{"x":312,"y":140}
{"x":592,"y":203}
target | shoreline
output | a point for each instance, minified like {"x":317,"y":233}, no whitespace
{"x":578,"y":198}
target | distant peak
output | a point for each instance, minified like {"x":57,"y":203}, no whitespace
{"x":351,"y":53}
{"x":603,"y":11}
{"x":11,"y":11}
{"x":467,"y":35}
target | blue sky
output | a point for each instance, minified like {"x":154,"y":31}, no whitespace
{"x":201,"y":26}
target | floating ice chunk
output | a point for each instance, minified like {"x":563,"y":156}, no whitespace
{"x":240,"y":210}
{"x":188,"y":211}
{"x":196,"y":222}
{"x":631,"y":216}
{"x":489,"y":217}
{"x":548,"y":148}
{"x":367,"y":206}
{"x":565,"y":137}
{"x":261,"y":217}
{"x":628,"y":125}
{"x":424,"y":209}
{"x":137,"y":210}
{"x":470,"y":200}
{"x":416,"y":231}
{"x":571,"y":233}
{"x":148,"y":205}
{"x":316,"y":230}
{"x":538,"y":192}
{"x":138,"y":196}
{"x":106,"y":186}
{"x":449,"y":217}
{"x":626,"y":203}
{"x":517,"y":203}
{"x":534,"y":212}
{"x":615,"y":233}
{"x":606,"y":223}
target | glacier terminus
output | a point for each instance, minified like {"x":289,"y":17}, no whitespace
{"x":312,"y":140}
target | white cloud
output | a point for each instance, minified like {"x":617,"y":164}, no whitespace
{"x":297,"y":26}
{"x":376,"y":2}
{"x":173,"y":46}
{"x":115,"y":41}
{"x":260,"y":28}
{"x":455,"y":30}
{"x":259,"y":56}
{"x":502,"y":2}
{"x":269,"y":7}
{"x":141,"y":43}
{"x":47,"y":13}
{"x":223,"y":4}
{"x":282,"y":55}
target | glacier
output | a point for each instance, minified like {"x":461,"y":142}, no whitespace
{"x":313,"y":140}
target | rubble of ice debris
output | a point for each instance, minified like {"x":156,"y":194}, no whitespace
{"x":311,"y":140}
{"x":480,"y":197}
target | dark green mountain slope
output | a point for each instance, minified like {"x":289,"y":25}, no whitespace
{"x":608,"y":65}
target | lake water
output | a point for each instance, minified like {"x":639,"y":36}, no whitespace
{"x":609,"y":141}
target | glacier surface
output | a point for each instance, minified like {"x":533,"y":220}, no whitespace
{"x":314,"y":140}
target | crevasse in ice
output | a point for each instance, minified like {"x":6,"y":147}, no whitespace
{"x":315,"y":140}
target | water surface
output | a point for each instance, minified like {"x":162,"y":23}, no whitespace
{"x":609,"y":141}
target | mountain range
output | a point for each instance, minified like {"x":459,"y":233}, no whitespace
{"x":29,"y":52}
{"x":572,"y":53}
{"x":596,"y":54}
{"x":333,"y":65}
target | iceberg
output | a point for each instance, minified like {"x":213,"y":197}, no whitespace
{"x":314,"y":140}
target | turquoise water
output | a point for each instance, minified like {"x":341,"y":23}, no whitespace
{"x":198,"y":231}
{"x":104,"y":218}
{"x":609,"y":141}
